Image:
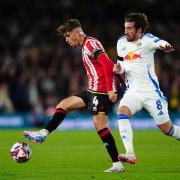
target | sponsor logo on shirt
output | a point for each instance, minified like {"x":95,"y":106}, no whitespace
{"x":131,"y":56}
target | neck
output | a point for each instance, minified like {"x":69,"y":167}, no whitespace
{"x":139,"y":36}
{"x":81,"y":39}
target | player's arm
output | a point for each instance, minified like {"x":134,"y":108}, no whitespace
{"x":164,"y":45}
{"x":167,"y":48}
{"x":107,"y":65}
{"x":118,"y":70}
{"x":97,"y":52}
{"x":161,"y":44}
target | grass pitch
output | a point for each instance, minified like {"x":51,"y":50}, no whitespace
{"x":80,"y":155}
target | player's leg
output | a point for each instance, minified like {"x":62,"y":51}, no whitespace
{"x":101,"y":125}
{"x":170,"y":130}
{"x":129,"y":104}
{"x":66,"y":105}
{"x":158,"y":108}
{"x":99,"y":104}
{"x":126,"y":134}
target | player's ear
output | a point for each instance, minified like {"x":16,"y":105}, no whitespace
{"x":80,"y":33}
{"x":77,"y":31}
{"x":139,"y":30}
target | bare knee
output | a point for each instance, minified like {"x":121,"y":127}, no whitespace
{"x":125,"y":110}
{"x":63,"y":105}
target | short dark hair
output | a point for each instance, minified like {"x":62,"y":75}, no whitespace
{"x":68,"y":26}
{"x":140,"y":20}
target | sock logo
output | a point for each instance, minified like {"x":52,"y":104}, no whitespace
{"x":123,"y":137}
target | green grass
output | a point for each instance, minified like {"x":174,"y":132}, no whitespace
{"x":80,"y":155}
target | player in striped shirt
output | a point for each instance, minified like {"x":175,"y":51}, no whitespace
{"x":99,"y":96}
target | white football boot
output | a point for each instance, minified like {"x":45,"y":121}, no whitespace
{"x":117,"y":167}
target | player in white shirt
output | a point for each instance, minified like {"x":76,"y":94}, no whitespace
{"x":136,"y":60}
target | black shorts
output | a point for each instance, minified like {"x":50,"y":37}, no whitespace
{"x":96,"y":101}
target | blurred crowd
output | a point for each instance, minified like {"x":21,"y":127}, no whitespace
{"x":38,"y":69}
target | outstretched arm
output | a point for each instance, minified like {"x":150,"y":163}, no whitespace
{"x":167,"y":48}
{"x":164,"y":45}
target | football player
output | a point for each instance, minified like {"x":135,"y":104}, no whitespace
{"x":136,"y":60}
{"x":99,"y":96}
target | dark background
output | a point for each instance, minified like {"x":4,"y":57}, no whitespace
{"x":38,"y":69}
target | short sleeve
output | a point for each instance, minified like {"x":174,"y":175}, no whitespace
{"x":119,"y":46}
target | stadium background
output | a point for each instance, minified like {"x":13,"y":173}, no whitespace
{"x":38,"y":69}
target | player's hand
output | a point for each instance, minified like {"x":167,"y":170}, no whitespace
{"x":112,"y":96}
{"x":117,"y":68}
{"x":168,"y":48}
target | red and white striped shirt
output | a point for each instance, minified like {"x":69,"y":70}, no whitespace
{"x":99,"y":71}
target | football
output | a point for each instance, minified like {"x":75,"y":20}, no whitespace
{"x":21,"y":152}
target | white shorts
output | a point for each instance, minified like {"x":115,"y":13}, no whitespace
{"x":156,"y":106}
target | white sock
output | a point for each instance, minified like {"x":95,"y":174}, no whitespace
{"x":176,"y":132}
{"x":126,"y":133}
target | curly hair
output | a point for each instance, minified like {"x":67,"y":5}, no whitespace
{"x":140,"y":20}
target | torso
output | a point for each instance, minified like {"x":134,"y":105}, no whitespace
{"x":138,"y":61}
{"x":95,"y":73}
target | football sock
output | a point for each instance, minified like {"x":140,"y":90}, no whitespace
{"x":56,"y":120}
{"x":126,"y":133}
{"x":109,"y":143}
{"x":174,"y":132}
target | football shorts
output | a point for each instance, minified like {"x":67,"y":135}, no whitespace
{"x":156,"y":106}
{"x":96,"y":102}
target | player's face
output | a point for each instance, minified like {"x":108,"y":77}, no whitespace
{"x":72,"y":38}
{"x":132,"y":34}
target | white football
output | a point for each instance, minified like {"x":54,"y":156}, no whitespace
{"x":21,"y":152}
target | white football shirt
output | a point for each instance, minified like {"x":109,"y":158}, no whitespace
{"x":138,"y":62}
